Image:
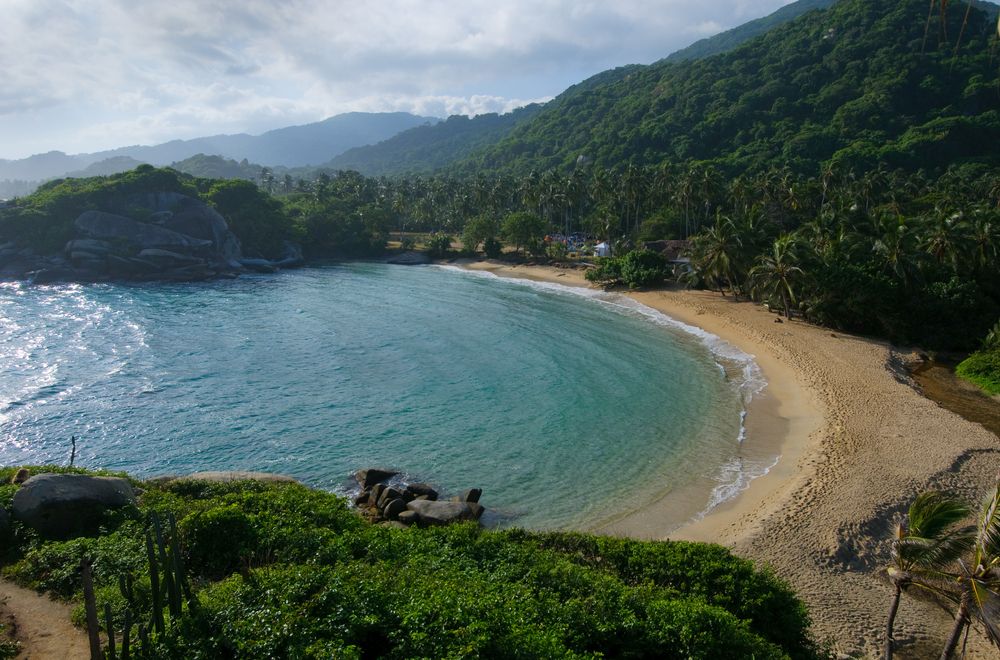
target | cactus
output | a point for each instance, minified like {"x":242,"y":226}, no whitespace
{"x":109,"y":626}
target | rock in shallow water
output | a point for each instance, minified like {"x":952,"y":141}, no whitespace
{"x":61,"y":506}
{"x":445,"y":513}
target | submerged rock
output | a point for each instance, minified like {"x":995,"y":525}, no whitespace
{"x":61,"y":506}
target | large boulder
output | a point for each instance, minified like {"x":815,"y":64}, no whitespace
{"x":237,"y":475}
{"x":61,"y":506}
{"x":140,"y":235}
{"x":445,"y":513}
{"x":371,"y":476}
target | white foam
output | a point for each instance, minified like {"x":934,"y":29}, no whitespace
{"x":734,"y":476}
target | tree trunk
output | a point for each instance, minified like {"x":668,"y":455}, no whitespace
{"x":961,"y":620}
{"x":890,"y":623}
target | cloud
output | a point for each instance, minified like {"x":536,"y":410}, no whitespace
{"x":90,"y":74}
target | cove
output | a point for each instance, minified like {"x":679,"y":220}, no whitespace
{"x":568,"y":407}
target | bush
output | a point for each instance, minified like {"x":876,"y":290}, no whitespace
{"x":637,"y":269}
{"x":218,"y":541}
{"x":439,"y":244}
{"x":983,"y":369}
{"x":492,"y":248}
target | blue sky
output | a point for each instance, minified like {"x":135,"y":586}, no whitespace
{"x":87,"y":75}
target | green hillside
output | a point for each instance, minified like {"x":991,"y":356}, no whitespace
{"x":854,"y":84}
{"x":730,"y":39}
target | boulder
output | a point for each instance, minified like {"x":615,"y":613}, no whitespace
{"x":258,"y":265}
{"x":371,"y":476}
{"x":445,"y":513}
{"x":408,"y":517}
{"x":61,"y":506}
{"x":230,"y":476}
{"x":387,"y":496}
{"x":419,"y":489}
{"x":362,"y":498}
{"x":158,"y":255}
{"x":393,"y":508}
{"x":51,"y":275}
{"x":91,"y":245}
{"x":471,"y":495}
{"x":141,"y":235}
{"x":375,"y":493}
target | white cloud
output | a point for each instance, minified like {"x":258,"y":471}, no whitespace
{"x":92,"y":74}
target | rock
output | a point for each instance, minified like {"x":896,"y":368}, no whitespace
{"x":444,"y":513}
{"x":91,"y":245}
{"x":471,"y":495}
{"x":49,"y":275}
{"x":395,"y":524}
{"x":61,"y":506}
{"x":419,"y":489}
{"x":141,"y":235}
{"x":388,"y":495}
{"x":410,"y":259}
{"x":375,"y":493}
{"x":361,"y":499}
{"x":156,"y":254}
{"x":393,"y":508}
{"x":371,"y":476}
{"x":422,"y":498}
{"x":408,"y":517}
{"x":230,"y":476}
{"x":258,"y":265}
{"x":20,"y":476}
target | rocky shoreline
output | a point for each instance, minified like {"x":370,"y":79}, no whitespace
{"x":385,"y":499}
{"x":163,"y":236}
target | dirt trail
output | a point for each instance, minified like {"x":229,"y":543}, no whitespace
{"x":41,"y":625}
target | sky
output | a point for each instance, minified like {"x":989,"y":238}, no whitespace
{"x":88,"y":75}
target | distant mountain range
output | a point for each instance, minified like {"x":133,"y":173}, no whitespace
{"x":295,"y":146}
{"x":816,"y":80}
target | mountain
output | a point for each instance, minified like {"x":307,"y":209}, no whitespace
{"x":854,"y":85}
{"x":308,"y":144}
{"x":428,"y":148}
{"x":730,"y":39}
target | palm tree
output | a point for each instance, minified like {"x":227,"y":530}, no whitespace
{"x":776,"y":272}
{"x":926,"y":542}
{"x":717,"y":252}
{"x":978,"y":578}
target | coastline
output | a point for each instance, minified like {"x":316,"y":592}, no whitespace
{"x":857,"y":443}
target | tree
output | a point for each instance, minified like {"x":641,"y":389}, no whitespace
{"x":776,"y":272}
{"x":523,"y":229}
{"x":478,"y":230}
{"x":978,"y":578}
{"x":926,"y":542}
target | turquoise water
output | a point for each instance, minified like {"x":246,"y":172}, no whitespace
{"x":567,"y":408}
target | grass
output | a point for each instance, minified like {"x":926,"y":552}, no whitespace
{"x":982,"y":369}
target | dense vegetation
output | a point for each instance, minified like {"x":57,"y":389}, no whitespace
{"x":284,"y":571}
{"x":983,"y":366}
{"x":730,"y":39}
{"x":854,"y":85}
{"x":425,"y":149}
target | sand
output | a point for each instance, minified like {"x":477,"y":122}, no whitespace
{"x":857,"y":443}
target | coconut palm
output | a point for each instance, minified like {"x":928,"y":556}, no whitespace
{"x":926,"y":542}
{"x":776,"y":272}
{"x":978,"y":578}
{"x":716,"y":254}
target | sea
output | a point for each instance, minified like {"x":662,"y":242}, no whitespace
{"x":569,"y":407}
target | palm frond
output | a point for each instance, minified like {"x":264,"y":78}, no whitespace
{"x":988,"y":531}
{"x":933,"y":512}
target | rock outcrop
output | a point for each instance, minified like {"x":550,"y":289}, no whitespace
{"x":154,"y":236}
{"x":384,"y":499}
{"x":61,"y":506}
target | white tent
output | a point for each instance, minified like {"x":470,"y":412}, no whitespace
{"x":602,"y":250}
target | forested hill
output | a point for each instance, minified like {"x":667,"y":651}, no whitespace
{"x":853,"y":85}
{"x":730,"y":39}
{"x":430,"y":147}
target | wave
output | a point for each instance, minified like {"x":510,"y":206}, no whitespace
{"x":734,"y":476}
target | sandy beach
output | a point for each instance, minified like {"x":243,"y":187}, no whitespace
{"x":857,"y":443}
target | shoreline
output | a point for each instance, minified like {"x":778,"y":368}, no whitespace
{"x":778,"y":423}
{"x":857,"y":442}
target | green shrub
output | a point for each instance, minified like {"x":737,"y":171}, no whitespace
{"x":637,"y":269}
{"x":983,"y":369}
{"x":439,"y":244}
{"x":492,"y":248}
{"x":218,"y":541}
